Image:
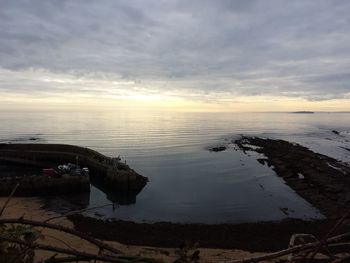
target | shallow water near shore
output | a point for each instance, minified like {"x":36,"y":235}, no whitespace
{"x":188,"y":183}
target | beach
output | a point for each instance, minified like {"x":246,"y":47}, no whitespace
{"x":31,"y":208}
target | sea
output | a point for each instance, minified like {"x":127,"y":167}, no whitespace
{"x":187,"y":182}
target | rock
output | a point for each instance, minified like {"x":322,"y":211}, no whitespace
{"x":347,"y":198}
{"x":301,"y":176}
{"x":335,"y":132}
{"x":98,"y":214}
{"x":284,"y":210}
{"x":321,"y":180}
{"x":347,"y":149}
{"x":298,"y":185}
{"x":262,"y":161}
{"x":335,"y":188}
{"x":303,"y":112}
{"x":218,"y":149}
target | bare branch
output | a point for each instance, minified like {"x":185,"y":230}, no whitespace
{"x":63,"y":250}
{"x":67,"y":259}
{"x":289,"y":250}
{"x":73,"y":232}
{"x":330,"y":232}
{"x":59,"y":240}
{"x":8,"y":199}
{"x":76,"y":212}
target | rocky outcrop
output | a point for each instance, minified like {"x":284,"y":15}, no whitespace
{"x":320,"y":179}
{"x":218,"y":148}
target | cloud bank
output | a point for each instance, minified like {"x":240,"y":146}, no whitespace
{"x":198,"y":50}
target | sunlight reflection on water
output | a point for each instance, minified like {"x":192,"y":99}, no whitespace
{"x":187,"y":182}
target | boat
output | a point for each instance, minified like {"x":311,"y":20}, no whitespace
{"x":66,"y":169}
{"x":65,"y":179}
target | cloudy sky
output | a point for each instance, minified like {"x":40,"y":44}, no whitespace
{"x":223,"y":54}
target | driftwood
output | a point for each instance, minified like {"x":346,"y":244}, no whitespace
{"x":330,"y":232}
{"x":288,"y":251}
{"x":299,"y":239}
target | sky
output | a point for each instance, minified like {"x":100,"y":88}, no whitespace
{"x":200,"y":55}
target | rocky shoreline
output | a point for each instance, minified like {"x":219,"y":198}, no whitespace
{"x":258,"y":237}
{"x":321,"y":180}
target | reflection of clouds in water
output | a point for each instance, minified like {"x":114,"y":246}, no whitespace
{"x":187,"y":183}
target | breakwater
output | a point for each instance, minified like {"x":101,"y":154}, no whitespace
{"x":110,"y":171}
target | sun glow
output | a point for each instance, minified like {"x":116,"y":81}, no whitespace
{"x":159,"y":102}
{"x":72,"y":91}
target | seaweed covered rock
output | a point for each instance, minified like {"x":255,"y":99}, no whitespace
{"x":320,"y":179}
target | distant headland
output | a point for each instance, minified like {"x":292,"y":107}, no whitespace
{"x":303,"y":112}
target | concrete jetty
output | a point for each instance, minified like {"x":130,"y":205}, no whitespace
{"x":110,"y":171}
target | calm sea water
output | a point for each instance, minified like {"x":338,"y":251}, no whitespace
{"x":187,"y":182}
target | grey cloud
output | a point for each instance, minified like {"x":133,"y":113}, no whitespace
{"x":293,"y":48}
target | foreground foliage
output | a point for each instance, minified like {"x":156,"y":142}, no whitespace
{"x":17,"y":253}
